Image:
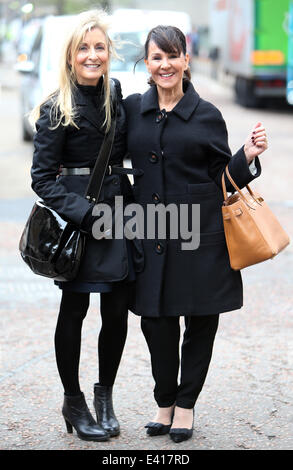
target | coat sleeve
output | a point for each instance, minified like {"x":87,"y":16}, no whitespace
{"x":219,"y":155}
{"x":47,"y":157}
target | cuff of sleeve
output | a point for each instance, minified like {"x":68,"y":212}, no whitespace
{"x":240,"y":169}
{"x":87,"y":221}
{"x":252,"y":168}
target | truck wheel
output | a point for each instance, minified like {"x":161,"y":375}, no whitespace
{"x":244,"y":91}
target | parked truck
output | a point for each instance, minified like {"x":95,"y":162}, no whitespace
{"x":251,"y":39}
{"x":290,"y":57}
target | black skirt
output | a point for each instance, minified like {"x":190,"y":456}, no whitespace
{"x":99,"y":286}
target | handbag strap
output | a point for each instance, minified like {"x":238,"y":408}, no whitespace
{"x":237,"y":188}
{"x":97,"y":177}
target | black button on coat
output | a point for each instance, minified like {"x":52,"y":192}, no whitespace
{"x":192,"y":151}
{"x":105,"y":259}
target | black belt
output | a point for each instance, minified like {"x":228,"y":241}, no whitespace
{"x":111,"y":170}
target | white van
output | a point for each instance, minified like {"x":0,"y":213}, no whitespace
{"x":144,"y":20}
{"x":131,"y":26}
{"x":40,"y":70}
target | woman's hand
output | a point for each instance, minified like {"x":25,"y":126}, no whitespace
{"x":256,"y":142}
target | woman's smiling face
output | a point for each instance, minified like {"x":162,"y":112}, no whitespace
{"x":166,"y":68}
{"x":92,"y":59}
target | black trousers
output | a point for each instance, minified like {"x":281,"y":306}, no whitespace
{"x":163,"y":335}
{"x":112,"y":336}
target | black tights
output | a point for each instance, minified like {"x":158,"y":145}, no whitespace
{"x":112,"y":337}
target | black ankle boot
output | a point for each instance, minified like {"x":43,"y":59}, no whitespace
{"x":103,"y":404}
{"x":77,"y":415}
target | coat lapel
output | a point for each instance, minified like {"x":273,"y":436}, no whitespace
{"x":188,"y":102}
{"x":183,"y":109}
{"x":149,"y":100}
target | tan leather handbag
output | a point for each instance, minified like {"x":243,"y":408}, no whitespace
{"x":253,"y":234}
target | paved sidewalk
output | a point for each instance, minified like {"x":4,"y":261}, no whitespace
{"x":247,"y":400}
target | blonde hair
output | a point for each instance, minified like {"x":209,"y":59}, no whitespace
{"x":62,"y":110}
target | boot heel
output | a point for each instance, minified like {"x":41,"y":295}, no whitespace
{"x":68,"y":426}
{"x":77,"y":416}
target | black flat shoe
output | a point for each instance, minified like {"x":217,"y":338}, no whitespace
{"x":157,"y":429}
{"x":103,"y":404}
{"x":77,"y":415}
{"x":180,"y":434}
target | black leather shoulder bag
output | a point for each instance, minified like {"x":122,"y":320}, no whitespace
{"x":52,"y":247}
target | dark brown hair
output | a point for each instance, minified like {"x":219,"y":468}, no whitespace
{"x":169,"y":39}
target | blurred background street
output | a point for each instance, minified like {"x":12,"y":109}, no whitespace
{"x":247,"y":401}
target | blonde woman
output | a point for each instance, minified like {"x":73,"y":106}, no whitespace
{"x":70,"y":127}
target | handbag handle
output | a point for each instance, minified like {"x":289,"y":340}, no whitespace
{"x":237,"y":189}
{"x":97,"y":177}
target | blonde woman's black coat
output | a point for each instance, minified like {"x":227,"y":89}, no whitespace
{"x":67,"y":146}
{"x":183,"y":154}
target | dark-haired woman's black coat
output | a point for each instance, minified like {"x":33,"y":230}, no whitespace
{"x":183,"y":154}
{"x":105,"y":259}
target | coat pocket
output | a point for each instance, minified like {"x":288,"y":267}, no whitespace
{"x":205,"y":240}
{"x":202,"y":188}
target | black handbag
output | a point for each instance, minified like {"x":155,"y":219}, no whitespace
{"x":52,"y":247}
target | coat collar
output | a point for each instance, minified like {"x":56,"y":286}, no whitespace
{"x":183,"y":109}
{"x":90,"y":105}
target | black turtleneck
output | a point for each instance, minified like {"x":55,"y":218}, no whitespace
{"x":94,"y":94}
{"x":92,"y":90}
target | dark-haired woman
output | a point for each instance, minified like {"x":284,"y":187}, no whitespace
{"x":180,"y":142}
